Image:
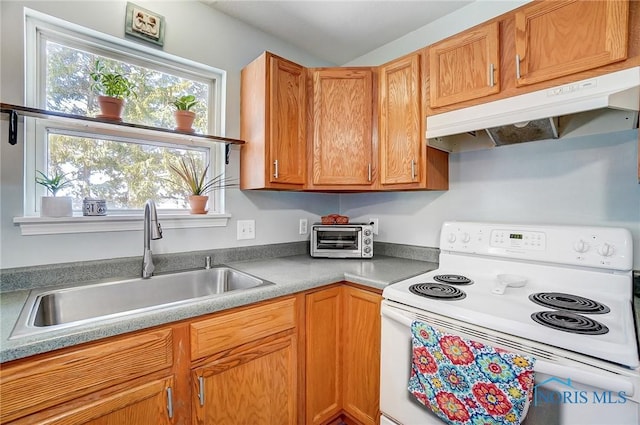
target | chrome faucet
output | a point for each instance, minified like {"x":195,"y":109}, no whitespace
{"x":152,"y":230}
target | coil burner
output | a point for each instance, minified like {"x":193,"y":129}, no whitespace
{"x":569,"y":302}
{"x":437,"y":291}
{"x":569,"y":322}
{"x":453,"y":279}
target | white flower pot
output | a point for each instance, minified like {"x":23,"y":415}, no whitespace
{"x":56,"y":206}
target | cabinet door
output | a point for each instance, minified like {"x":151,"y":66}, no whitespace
{"x":401,"y":147}
{"x":559,"y":38}
{"x":465,"y":66}
{"x":145,"y":404}
{"x":323,"y":355}
{"x":342,"y":146}
{"x":287,"y":119}
{"x":273,"y":124}
{"x":255,"y":385}
{"x":361,"y":342}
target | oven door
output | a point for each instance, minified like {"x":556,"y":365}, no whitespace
{"x":596,"y":396}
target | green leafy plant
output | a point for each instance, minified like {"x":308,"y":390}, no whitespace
{"x":195,"y":179}
{"x":53,"y":183}
{"x":111,"y":84}
{"x":185,"y":103}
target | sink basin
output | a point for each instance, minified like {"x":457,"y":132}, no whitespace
{"x":48,"y":309}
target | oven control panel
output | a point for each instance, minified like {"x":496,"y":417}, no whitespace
{"x":600,"y":247}
{"x":518,"y":239}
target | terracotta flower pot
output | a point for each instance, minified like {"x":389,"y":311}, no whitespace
{"x":198,"y":204}
{"x":184,"y":120}
{"x":111,"y":108}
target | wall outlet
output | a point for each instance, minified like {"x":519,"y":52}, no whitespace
{"x":246,"y":229}
{"x":374,"y":221}
{"x":303,"y":226}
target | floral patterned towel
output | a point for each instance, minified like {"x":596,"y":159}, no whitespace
{"x":466,"y":382}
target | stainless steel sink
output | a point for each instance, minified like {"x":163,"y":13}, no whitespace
{"x":49,"y":309}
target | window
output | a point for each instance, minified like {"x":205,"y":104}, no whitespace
{"x":116,"y":165}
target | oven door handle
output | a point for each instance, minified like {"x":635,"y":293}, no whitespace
{"x":607,"y":382}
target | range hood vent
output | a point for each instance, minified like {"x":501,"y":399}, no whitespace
{"x":599,"y":105}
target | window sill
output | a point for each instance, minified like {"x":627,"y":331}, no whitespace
{"x":30,"y":226}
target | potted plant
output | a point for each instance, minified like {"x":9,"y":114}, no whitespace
{"x":194,"y":179}
{"x":184,"y":115}
{"x":52,"y":206}
{"x":113,"y":88}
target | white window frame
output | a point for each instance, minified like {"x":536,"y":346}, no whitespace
{"x":38,"y":29}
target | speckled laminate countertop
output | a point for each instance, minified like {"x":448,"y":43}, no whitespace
{"x":289,"y":274}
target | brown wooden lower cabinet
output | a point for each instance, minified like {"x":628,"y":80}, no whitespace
{"x":142,"y":404}
{"x":343,"y":355}
{"x":256,"y":385}
{"x":312,"y":357}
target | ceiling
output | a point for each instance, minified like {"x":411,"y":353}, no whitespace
{"x":337,"y":31}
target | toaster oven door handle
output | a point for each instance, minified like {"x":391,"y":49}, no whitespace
{"x":342,"y":228}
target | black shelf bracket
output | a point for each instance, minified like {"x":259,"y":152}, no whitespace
{"x":13,"y":127}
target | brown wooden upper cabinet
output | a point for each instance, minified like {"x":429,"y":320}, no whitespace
{"x":405,"y":160}
{"x":465,"y":66}
{"x":273,"y":123}
{"x":341,"y":145}
{"x":400,"y":117}
{"x":557,"y":38}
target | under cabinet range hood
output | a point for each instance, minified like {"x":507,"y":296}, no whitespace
{"x":598,"y":105}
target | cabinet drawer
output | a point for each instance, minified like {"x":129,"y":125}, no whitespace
{"x":33,"y":385}
{"x":230,"y":330}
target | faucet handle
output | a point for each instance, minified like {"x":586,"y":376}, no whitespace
{"x":207,"y":262}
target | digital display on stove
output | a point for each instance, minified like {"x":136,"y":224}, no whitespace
{"x":515,"y":236}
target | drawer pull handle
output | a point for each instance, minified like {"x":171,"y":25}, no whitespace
{"x":275,"y":167}
{"x":518,"y":67}
{"x":413,"y":169}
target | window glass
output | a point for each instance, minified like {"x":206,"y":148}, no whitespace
{"x":68,"y":88}
{"x":125,"y":173}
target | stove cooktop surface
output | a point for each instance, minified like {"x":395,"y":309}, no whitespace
{"x":566,"y":287}
{"x":608,"y":334}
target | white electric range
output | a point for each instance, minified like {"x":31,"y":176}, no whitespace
{"x":562,"y":294}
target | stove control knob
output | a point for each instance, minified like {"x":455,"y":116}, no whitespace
{"x":581,"y":246}
{"x":367,"y":241}
{"x":465,"y":237}
{"x":367,"y":249}
{"x":367,"y":232}
{"x":606,"y":250}
{"x":451,"y":238}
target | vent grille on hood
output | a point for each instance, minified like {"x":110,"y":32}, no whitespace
{"x":603,"y":104}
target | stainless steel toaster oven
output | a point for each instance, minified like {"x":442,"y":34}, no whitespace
{"x":353,"y":240}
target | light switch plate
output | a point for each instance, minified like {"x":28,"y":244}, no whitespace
{"x":246,"y":229}
{"x":303,"y":226}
